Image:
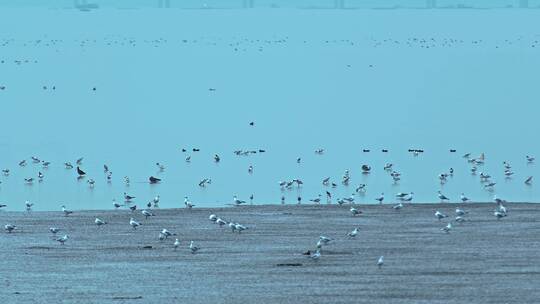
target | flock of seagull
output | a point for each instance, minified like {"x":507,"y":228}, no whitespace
{"x":403,"y":197}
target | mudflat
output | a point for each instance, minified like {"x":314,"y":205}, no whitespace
{"x":482,"y":260}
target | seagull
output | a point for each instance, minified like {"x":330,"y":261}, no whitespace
{"x":528,"y":181}
{"x":5,"y":172}
{"x":380,"y":198}
{"x":79,"y":161}
{"x":315,"y":256}
{"x":442,"y":197}
{"x":188,"y":159}
{"x":126,"y":180}
{"x":80,"y":172}
{"x":146,"y":213}
{"x":167,"y":233}
{"x":9,"y":228}
{"x":213,"y":217}
{"x":353,"y":233}
{"x":193,"y":248}
{"x":380,"y":262}
{"x":217,"y":158}
{"x":105,"y":168}
{"x":156,"y":200}
{"x":3,"y":205}
{"x":134,"y":223}
{"x":250,"y":169}
{"x":490,"y":185}
{"x":63,"y":239}
{"x":22,"y":163}
{"x":28,"y":205}
{"x":91,"y":182}
{"x":355,"y":211}
{"x":238,"y":202}
{"x":99,"y":222}
{"x":464,"y":198}
{"x":29,"y":180}
{"x":176,"y":244}
{"x":232,"y":226}
{"x":220,"y":222}
{"x":447,"y":228}
{"x":460,"y":219}
{"x":361,"y":188}
{"x":401,"y":194}
{"x":154,"y":180}
{"x":188,"y":203}
{"x":530,"y":159}
{"x":325,"y":239}
{"x":398,"y":206}
{"x":240,"y":228}
{"x":499,"y":214}
{"x":461,"y":212}
{"x":408,"y":198}
{"x":54,"y":230}
{"x":388,"y":166}
{"x":127,"y":197}
{"x":68,"y":165}
{"x":45,"y":164}
{"x":326,"y":181}
{"x":116,"y":204}
{"x":440,"y":215}
{"x":467,"y":155}
{"x":316,"y":200}
{"x":161,"y":167}
{"x":66,"y":212}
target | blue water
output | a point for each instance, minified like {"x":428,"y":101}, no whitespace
{"x":343,"y":80}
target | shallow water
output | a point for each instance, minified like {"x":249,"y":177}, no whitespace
{"x":339,"y":80}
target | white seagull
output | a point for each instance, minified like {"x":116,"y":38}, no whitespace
{"x":99,"y":222}
{"x":440,"y":215}
{"x":188,"y":203}
{"x":380,"y":262}
{"x":461,"y":212}
{"x":134,"y":223}
{"x":63,"y":239}
{"x":193,"y":248}
{"x":65,"y":211}
{"x":9,"y":228}
{"x":355,"y":211}
{"x":447,"y":228}
{"x":442,"y":197}
{"x":353,"y":233}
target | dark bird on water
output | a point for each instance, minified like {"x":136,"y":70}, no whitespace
{"x":133,"y":208}
{"x":154,"y":180}
{"x":80,"y":172}
{"x":252,"y":123}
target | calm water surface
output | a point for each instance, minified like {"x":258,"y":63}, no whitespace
{"x":340,"y":80}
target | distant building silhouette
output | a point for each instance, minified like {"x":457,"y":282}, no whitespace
{"x":339,"y":3}
{"x":164,"y":3}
